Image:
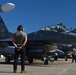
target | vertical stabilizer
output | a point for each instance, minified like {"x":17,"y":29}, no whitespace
{"x":3,"y":27}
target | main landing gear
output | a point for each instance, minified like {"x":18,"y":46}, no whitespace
{"x":47,"y":59}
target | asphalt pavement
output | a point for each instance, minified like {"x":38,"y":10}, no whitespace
{"x":60,"y":67}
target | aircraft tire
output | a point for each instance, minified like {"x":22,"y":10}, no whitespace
{"x":30,"y":60}
{"x":65,"y":58}
{"x":55,"y":58}
{"x":46,"y":62}
{"x":7,"y":59}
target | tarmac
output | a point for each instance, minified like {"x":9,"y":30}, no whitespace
{"x":60,"y":67}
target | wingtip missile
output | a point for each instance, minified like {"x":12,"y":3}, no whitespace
{"x":7,"y":7}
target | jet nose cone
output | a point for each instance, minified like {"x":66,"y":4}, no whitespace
{"x":7,"y":7}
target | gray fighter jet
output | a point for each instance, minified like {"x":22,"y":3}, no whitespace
{"x":42,"y":42}
{"x":5,"y":40}
{"x":39,"y":44}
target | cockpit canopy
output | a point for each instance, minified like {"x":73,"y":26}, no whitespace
{"x":54,"y":28}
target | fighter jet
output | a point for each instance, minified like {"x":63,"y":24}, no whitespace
{"x":6,"y":7}
{"x":5,"y":38}
{"x":40,"y":43}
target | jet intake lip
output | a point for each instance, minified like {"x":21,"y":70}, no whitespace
{"x":7,"y":7}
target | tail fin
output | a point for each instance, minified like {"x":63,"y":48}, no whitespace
{"x":3,"y":28}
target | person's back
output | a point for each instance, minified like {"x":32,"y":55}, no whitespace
{"x":19,"y":37}
{"x":19,"y":40}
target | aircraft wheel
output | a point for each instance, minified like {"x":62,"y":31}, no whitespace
{"x":55,"y":58}
{"x":65,"y":58}
{"x":30,"y":60}
{"x":7,"y":59}
{"x":46,"y":62}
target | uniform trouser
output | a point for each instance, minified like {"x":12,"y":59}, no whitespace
{"x":17,"y":53}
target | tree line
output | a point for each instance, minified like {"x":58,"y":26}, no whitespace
{"x":71,"y":29}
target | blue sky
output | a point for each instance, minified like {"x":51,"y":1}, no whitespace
{"x":36,"y":14}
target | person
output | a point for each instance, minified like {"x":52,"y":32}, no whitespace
{"x":19,"y":40}
{"x":74,"y":55}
